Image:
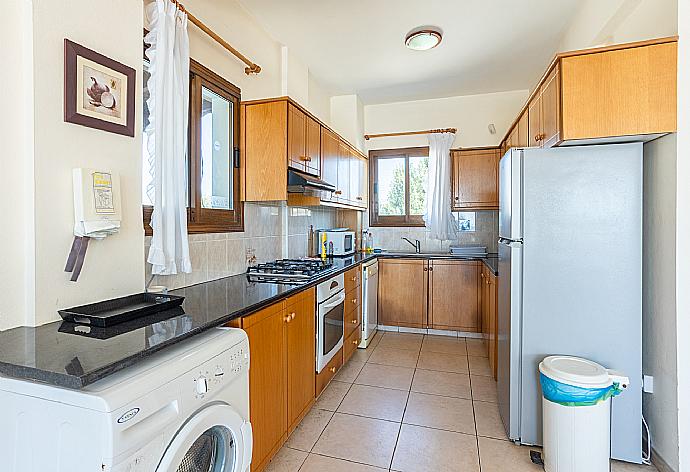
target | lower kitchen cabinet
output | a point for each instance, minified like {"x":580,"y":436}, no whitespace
{"x":403,"y":285}
{"x":489,"y":316}
{"x":453,"y":295}
{"x":281,"y":373}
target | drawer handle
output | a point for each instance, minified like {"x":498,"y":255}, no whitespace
{"x":354,"y":300}
{"x":354,"y":279}
{"x":355,"y":342}
{"x":353,"y":321}
{"x":305,"y":158}
{"x":332,"y":369}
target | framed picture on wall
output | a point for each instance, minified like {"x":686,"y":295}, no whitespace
{"x":99,"y":92}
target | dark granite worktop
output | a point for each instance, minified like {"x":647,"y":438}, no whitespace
{"x":73,"y":356}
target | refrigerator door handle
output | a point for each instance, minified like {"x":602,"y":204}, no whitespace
{"x":509,"y":242}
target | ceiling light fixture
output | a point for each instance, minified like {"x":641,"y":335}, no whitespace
{"x":423,"y":38}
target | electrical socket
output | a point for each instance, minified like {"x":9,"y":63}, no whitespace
{"x":648,"y":384}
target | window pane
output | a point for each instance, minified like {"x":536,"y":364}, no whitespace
{"x":146,"y":175}
{"x":419,"y":170}
{"x":391,"y":186}
{"x":216,"y":151}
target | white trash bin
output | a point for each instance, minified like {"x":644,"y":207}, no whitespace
{"x":577,"y":413}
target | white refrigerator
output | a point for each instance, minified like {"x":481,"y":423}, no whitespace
{"x":570,"y":278}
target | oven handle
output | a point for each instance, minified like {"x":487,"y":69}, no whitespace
{"x":338,"y":300}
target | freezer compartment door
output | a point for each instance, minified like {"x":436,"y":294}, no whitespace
{"x":509,"y":335}
{"x":510,"y":195}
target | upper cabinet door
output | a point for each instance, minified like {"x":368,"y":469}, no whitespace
{"x":296,"y":138}
{"x":313,"y":146}
{"x":523,"y":131}
{"x":475,"y":178}
{"x":363,"y":182}
{"x":342,"y":191}
{"x":330,"y":149}
{"x":534,"y":121}
{"x":355,"y":175}
{"x":551,"y":109}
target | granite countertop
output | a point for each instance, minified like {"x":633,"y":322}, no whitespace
{"x":73,"y":356}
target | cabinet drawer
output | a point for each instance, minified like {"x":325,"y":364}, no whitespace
{"x":328,"y":372}
{"x":351,"y":343}
{"x":353,"y":319}
{"x":353,"y":298}
{"x":352,"y":279}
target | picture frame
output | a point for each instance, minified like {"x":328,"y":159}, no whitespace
{"x":99,"y":92}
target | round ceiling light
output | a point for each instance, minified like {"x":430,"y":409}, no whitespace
{"x":423,"y":39}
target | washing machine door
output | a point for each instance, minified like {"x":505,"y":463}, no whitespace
{"x":215,"y":439}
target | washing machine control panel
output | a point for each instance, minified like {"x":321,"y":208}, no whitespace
{"x":221,"y":369}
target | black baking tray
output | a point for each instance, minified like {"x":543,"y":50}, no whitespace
{"x":118,"y":310}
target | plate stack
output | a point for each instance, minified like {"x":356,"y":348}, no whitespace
{"x":468,"y":251}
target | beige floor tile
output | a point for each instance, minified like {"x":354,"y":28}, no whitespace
{"x":617,"y":466}
{"x":445,"y":345}
{"x":480,"y":366}
{"x":317,"y":463}
{"x":385,"y":376}
{"x":349,"y":372}
{"x":375,"y":340}
{"x":331,"y":397}
{"x":477,"y":347}
{"x":424,"y":449}
{"x":503,"y":456}
{"x":363,"y":440}
{"x":287,"y":460}
{"x":443,"y":362}
{"x":362,"y":355}
{"x":398,"y":357}
{"x":442,"y":383}
{"x":375,"y":402}
{"x":488,"y":420}
{"x":411,"y":342}
{"x":450,"y":414}
{"x":306,"y":434}
{"x":484,"y":389}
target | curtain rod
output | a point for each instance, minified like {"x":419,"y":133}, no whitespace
{"x":408,"y":133}
{"x":251,"y":68}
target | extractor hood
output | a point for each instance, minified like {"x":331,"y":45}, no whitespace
{"x":301,"y":182}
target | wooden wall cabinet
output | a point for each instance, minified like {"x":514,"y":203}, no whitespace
{"x":454,"y":296}
{"x":330,"y":151}
{"x":475,"y":178}
{"x":403,"y":285}
{"x":304,"y":141}
{"x":544,"y":112}
{"x":281,"y":376}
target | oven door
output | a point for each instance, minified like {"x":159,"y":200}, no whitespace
{"x":329,"y":329}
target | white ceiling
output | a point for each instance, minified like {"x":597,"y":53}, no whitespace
{"x":357,"y":46}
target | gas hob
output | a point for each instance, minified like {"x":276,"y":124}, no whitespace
{"x":289,"y":271}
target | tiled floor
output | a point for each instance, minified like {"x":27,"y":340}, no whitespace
{"x":409,"y":403}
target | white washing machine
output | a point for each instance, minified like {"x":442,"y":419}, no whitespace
{"x":183,"y":409}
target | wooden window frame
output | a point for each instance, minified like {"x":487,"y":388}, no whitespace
{"x":206,"y":220}
{"x":386,"y":220}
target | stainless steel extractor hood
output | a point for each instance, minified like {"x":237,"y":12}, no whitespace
{"x":303,"y":183}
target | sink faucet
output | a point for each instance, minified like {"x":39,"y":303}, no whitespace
{"x":417,"y":245}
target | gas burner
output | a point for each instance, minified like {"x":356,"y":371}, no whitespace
{"x":289,"y":271}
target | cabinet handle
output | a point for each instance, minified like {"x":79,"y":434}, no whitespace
{"x":430,"y":269}
{"x":425,"y":269}
{"x":353,"y":322}
{"x":338,"y":192}
{"x":355,"y":342}
{"x":305,"y":158}
{"x":354,"y":279}
{"x":536,"y":137}
{"x":457,"y":198}
{"x":360,"y":198}
{"x":332,"y":369}
{"x":292,"y":316}
{"x":287,"y":319}
{"x":354,"y":300}
{"x":482,"y":274}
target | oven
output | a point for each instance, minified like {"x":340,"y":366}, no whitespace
{"x":330,"y":311}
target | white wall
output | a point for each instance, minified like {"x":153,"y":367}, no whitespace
{"x":294,"y":77}
{"x":16,"y":161}
{"x":470,"y":114}
{"x":319,"y":101}
{"x":619,"y":21}
{"x":347,"y":119}
{"x":659,"y":295}
{"x":682,"y":231}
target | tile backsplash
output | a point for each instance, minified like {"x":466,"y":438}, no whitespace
{"x":271,"y":232}
{"x":485,"y":234}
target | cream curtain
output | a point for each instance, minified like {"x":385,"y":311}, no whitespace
{"x":167,"y":132}
{"x":438,"y":217}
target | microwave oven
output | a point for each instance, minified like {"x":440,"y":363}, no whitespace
{"x":342,"y":242}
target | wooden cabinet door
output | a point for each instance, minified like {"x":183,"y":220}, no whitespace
{"x":342,"y":191}
{"x":329,"y":154}
{"x":475,"y":178}
{"x":551,"y":109}
{"x":301,"y":358}
{"x":523,"y":131}
{"x":296,"y":138}
{"x":534,"y":121}
{"x":354,"y":177}
{"x":492,"y":317}
{"x":267,"y":381}
{"x":363,"y":182}
{"x":454,"y":295}
{"x":403,"y":292}
{"x":313,"y":146}
{"x":483,"y":301}
{"x":512,"y":140}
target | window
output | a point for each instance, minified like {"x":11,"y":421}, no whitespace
{"x":213,"y":179}
{"x":398,"y":186}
